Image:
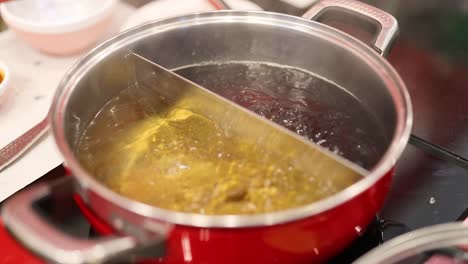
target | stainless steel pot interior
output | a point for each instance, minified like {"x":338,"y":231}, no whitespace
{"x":227,"y":36}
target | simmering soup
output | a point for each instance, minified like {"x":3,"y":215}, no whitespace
{"x":180,"y":160}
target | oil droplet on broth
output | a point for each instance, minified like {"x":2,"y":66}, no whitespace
{"x":183,"y":161}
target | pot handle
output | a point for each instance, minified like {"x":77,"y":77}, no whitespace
{"x":388,"y":25}
{"x":37,"y":233}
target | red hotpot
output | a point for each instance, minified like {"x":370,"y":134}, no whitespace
{"x":308,"y":234}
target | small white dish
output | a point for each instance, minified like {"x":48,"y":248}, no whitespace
{"x":170,"y":8}
{"x":300,"y":3}
{"x":5,"y":77}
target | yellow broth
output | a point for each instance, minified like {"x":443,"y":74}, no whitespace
{"x":183,"y":161}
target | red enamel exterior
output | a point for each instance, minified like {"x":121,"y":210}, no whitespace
{"x":12,"y":252}
{"x":310,"y":240}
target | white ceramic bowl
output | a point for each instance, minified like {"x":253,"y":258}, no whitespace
{"x":5,"y":77}
{"x":60,"y":27}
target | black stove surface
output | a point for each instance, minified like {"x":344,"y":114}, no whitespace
{"x":431,"y":55}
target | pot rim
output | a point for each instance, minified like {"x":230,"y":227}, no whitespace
{"x":389,"y":76}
